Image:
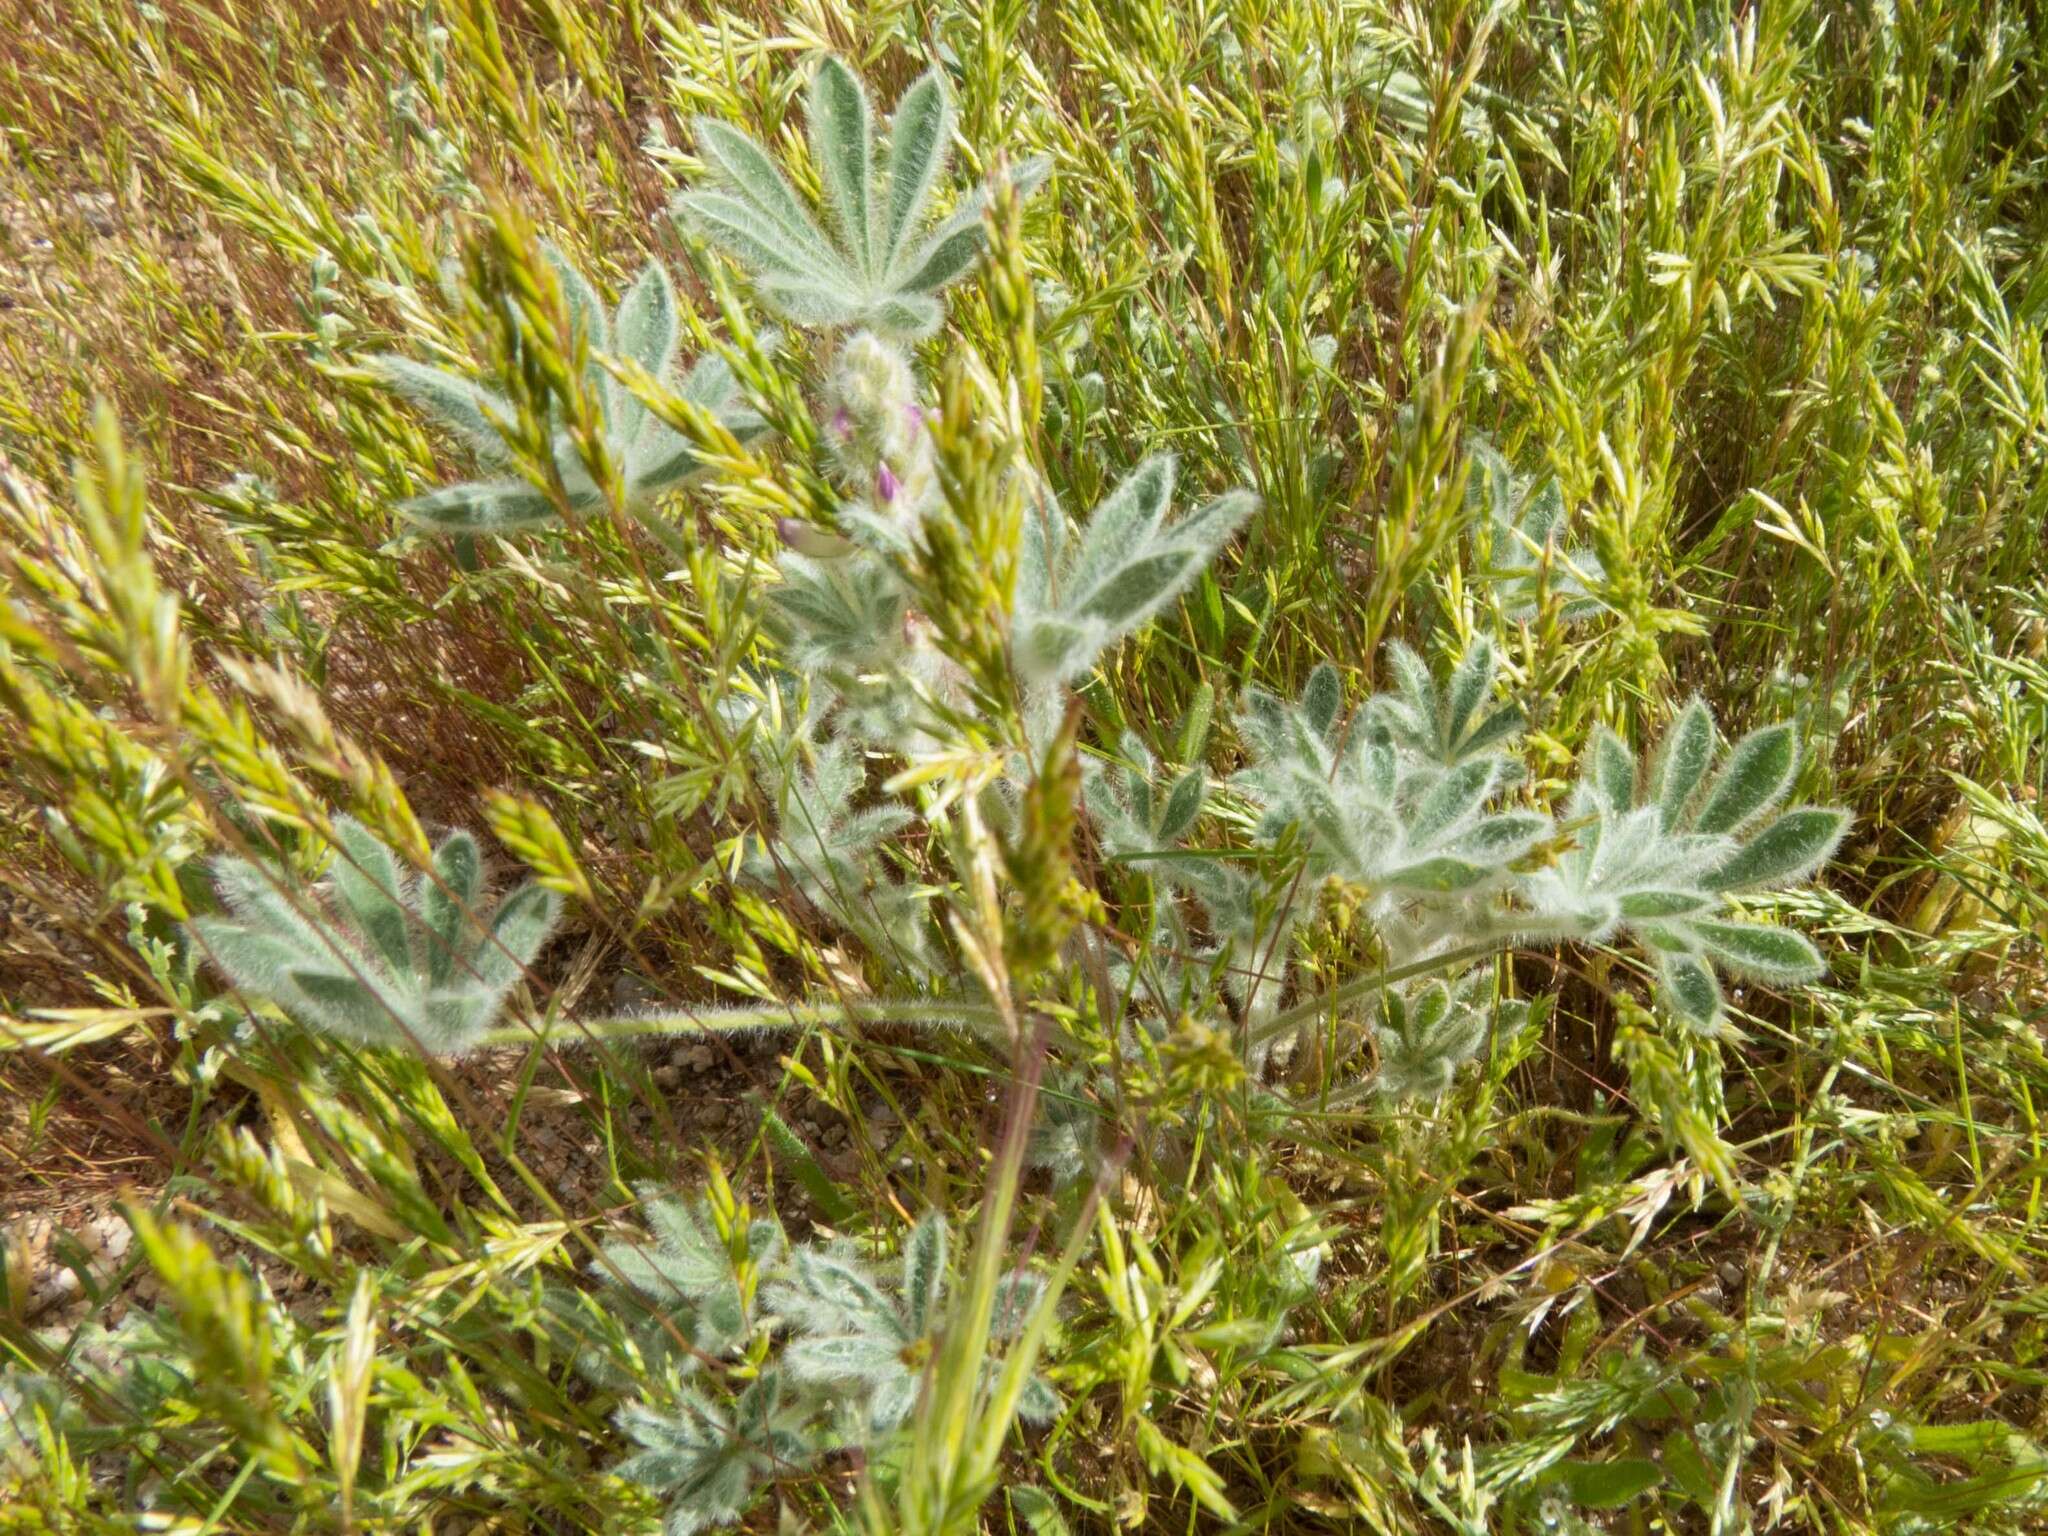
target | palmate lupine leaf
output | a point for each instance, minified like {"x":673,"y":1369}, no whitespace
{"x":1143,"y":817}
{"x":1449,"y":722}
{"x":878,"y":266}
{"x":853,"y":1334}
{"x":830,"y":852}
{"x":653,"y":458}
{"x":1657,"y":860}
{"x":1139,"y":816}
{"x":1076,"y":597}
{"x":841,"y":616}
{"x":1425,"y":1032}
{"x":380,"y":956}
{"x":708,"y":1457}
{"x":685,"y":1277}
{"x":1518,"y":528}
{"x":1399,"y":803}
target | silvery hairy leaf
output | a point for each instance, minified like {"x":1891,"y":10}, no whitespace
{"x":1077,"y":597}
{"x":1655,"y":855}
{"x":1518,"y":541}
{"x":378,"y":955}
{"x":653,"y":458}
{"x":853,"y":1333}
{"x":877,"y":265}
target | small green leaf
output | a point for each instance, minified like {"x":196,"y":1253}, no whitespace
{"x":766,"y":248}
{"x":797,"y":1158}
{"x":1789,"y":849}
{"x":258,"y":962}
{"x":461,"y":406}
{"x":1322,"y":697}
{"x":1640,"y":905}
{"x":760,"y":185}
{"x":1613,"y":770}
{"x":945,"y":255}
{"x":346,"y":1001}
{"x":1474,"y":675}
{"x":448,"y":898}
{"x":521,"y":926}
{"x":1682,"y":761}
{"x":1496,"y":728}
{"x":1685,"y":1466}
{"x":586,"y":309}
{"x":1690,"y":988}
{"x":1454,"y":799}
{"x":1193,"y":741}
{"x":1187,"y":1469}
{"x":919,"y":138}
{"x":1761,"y":952}
{"x":1496,"y":840}
{"x":371,"y":890}
{"x":842,"y":135}
{"x":1758,"y":773}
{"x":646,"y":328}
{"x":1183,"y":805}
{"x":1129,"y":565}
{"x":1412,"y":679}
{"x":1442,"y":875}
{"x":924,"y":1272}
{"x":480,"y":506}
{"x":1120,"y":528}
{"x":1040,"y":1510}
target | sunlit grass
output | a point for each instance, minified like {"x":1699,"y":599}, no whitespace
{"x":1757,"y":288}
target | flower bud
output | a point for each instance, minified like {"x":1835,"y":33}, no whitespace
{"x":879,"y":429}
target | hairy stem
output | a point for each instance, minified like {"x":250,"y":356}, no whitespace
{"x":1500,"y":937}
{"x":722,"y":1021}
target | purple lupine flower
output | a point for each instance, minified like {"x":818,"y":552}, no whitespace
{"x":886,"y":484}
{"x":842,"y":423}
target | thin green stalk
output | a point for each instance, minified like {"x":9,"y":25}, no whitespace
{"x":725,"y":1021}
{"x":1506,"y":938}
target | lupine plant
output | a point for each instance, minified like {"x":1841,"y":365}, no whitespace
{"x":687,"y":1276}
{"x":829,"y":852}
{"x":707,"y":1457}
{"x":1079,"y":594}
{"x":1385,"y":1022}
{"x":849,"y":1353}
{"x":1518,"y":529}
{"x":1407,"y":799}
{"x":1657,"y":855}
{"x":381,"y":956}
{"x":650,"y":457}
{"x":1426,"y":1032}
{"x":853,"y":1335}
{"x":1399,"y":799}
{"x":879,"y":266}
{"x":932,"y":633}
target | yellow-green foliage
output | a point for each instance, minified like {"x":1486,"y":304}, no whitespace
{"x":1218,"y":655}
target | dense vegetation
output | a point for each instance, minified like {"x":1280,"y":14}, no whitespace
{"x":920,"y":766}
